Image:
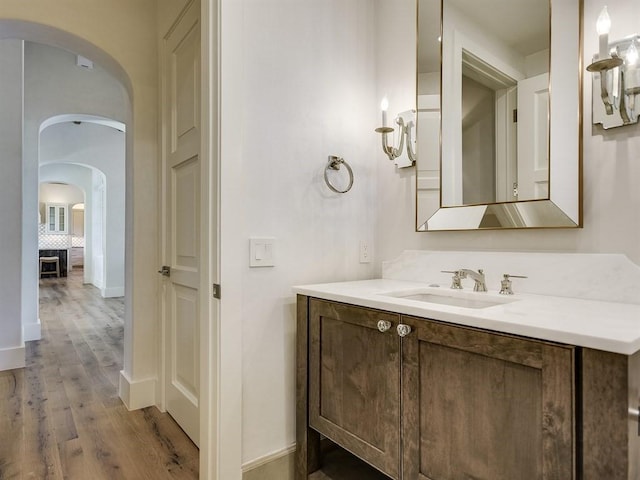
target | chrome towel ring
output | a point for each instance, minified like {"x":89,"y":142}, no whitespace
{"x":334,"y":164}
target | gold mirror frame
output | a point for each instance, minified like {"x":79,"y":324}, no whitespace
{"x":563,"y":208}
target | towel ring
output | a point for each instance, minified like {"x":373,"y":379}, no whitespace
{"x":334,"y":164}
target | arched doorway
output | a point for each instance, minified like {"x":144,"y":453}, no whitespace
{"x":137,"y":389}
{"x":91,"y":150}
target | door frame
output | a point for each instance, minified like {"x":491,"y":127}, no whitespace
{"x":220,"y":383}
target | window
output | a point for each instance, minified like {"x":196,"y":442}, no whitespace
{"x":57,"y":218}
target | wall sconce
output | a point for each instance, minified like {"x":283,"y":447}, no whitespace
{"x":406,"y":122}
{"x":615,"y":76}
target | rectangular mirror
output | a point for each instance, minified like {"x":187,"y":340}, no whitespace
{"x":495,"y":148}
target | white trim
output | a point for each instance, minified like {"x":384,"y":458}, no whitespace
{"x":112,"y":292}
{"x":270,"y":457}
{"x":31,"y":331}
{"x":11,"y":358}
{"x":227,"y":135}
{"x":210,"y":461}
{"x":137,"y":394}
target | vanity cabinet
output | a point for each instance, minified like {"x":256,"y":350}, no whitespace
{"x":442,"y":402}
{"x":354,"y":381}
{"x":484,"y":405}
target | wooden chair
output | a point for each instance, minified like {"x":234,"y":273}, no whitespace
{"x":49,"y":260}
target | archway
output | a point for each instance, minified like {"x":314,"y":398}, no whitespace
{"x":95,"y":145}
{"x":138,"y":369}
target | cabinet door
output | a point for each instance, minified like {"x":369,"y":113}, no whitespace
{"x":485,"y":406}
{"x":57,"y":218}
{"x":354,"y":381}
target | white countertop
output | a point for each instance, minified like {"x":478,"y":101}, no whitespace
{"x":609,"y":326}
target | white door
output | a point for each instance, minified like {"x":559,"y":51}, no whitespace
{"x":533,"y":138}
{"x":181,"y":229}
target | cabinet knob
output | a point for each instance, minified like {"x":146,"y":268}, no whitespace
{"x":384,"y":325}
{"x":404,"y":330}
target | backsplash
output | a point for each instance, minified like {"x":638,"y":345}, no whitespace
{"x":52,"y":241}
{"x":605,"y":277}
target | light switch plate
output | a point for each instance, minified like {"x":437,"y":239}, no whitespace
{"x":262,"y":252}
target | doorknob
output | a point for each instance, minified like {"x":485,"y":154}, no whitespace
{"x":165,"y":270}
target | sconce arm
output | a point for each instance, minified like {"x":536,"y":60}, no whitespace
{"x":407,"y":133}
{"x":623,"y":104}
{"x":604,"y":94}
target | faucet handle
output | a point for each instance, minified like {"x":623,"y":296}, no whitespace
{"x":505,"y":283}
{"x":458,"y":275}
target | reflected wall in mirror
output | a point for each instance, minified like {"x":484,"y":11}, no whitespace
{"x":489,"y":160}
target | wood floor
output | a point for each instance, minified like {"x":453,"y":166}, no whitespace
{"x":61,"y":417}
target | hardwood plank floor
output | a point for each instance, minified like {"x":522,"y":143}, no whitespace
{"x":61,"y":417}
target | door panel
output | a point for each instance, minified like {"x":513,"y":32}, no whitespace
{"x":182,"y":178}
{"x":185,"y":368}
{"x":354,"y":387}
{"x":185,"y":178}
{"x":533,"y":138}
{"x":485,"y":406}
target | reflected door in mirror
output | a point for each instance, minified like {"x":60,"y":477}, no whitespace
{"x":506,"y":154}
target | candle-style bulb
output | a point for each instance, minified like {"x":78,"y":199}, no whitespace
{"x":603,"y":25}
{"x":632,"y":54}
{"x":384,"y":105}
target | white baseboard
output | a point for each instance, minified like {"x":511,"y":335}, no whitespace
{"x":263,"y":467}
{"x":31,"y":331}
{"x":137,"y":394}
{"x":112,"y":292}
{"x":11,"y":358}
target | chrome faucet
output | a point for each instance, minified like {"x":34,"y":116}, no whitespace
{"x":478,"y":278}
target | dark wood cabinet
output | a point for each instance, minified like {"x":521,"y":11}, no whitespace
{"x":354,"y":381}
{"x":485,"y":406}
{"x":443,"y":402}
{"x":447,"y":402}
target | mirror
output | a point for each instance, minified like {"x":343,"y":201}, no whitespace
{"x":505,"y":152}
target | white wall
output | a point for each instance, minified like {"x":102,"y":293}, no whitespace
{"x":611,"y":165}
{"x":11,"y":110}
{"x":297,"y":86}
{"x":103,"y":148}
{"x":396,"y":78}
{"x":77,"y":215}
{"x":58,"y":193}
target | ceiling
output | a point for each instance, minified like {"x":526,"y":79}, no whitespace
{"x":522,"y":25}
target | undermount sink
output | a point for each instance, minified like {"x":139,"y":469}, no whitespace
{"x":451,"y":298}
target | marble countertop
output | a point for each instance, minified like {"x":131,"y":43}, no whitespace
{"x":609,"y":326}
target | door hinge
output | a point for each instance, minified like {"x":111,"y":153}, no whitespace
{"x":216,"y":290}
{"x":515,"y":115}
{"x":515,"y":189}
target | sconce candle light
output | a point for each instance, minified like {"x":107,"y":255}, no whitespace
{"x":603,"y":26}
{"x":615,"y":76}
{"x":406,"y":123}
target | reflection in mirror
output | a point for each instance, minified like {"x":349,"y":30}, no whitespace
{"x":491,"y":145}
{"x":495,"y":100}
